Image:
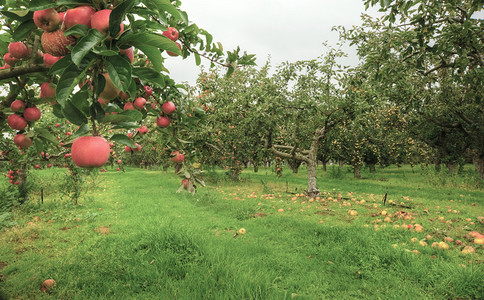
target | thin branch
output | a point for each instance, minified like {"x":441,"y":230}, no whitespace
{"x":291,"y":148}
{"x":22,"y":70}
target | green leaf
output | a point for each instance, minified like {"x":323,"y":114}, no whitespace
{"x":198,"y":60}
{"x":23,"y":30}
{"x":154,"y":55}
{"x":119,"y":70}
{"x":86,"y":44}
{"x":150,"y":39}
{"x":77,"y":30}
{"x":83,"y":130}
{"x":45,"y":134}
{"x":150,"y":76}
{"x":117,"y":15}
{"x":81,"y":101}
{"x":18,"y":15}
{"x":97,"y":111}
{"x":57,"y":111}
{"x":123,"y":139}
{"x":73,"y":114}
{"x":166,"y":6}
{"x":70,"y":78}
{"x":126,"y":116}
{"x":125,"y":125}
{"x":60,"y":65}
{"x":99,"y":84}
{"x":104,"y":52}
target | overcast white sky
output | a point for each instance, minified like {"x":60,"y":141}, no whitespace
{"x":287,"y":30}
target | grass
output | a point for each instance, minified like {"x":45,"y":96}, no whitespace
{"x":133,"y":237}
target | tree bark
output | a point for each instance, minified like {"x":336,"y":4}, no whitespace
{"x":294,"y":165}
{"x":372,"y":168}
{"x":325,"y":166}
{"x":479,"y":163}
{"x":357,"y":171}
{"x":452,"y":167}
{"x":256,"y":168}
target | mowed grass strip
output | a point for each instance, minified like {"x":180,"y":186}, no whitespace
{"x":133,"y":237}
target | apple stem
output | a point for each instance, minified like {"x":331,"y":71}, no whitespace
{"x":94,"y":127}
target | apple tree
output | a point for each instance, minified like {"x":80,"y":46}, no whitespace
{"x":99,"y":65}
{"x":308,"y":106}
{"x":428,"y":57}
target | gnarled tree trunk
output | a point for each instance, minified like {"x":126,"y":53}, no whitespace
{"x":479,"y":163}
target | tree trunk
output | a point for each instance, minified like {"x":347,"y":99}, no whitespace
{"x":372,"y":168}
{"x":479,"y":163}
{"x":341,"y":164}
{"x":357,"y":171}
{"x":452,"y":167}
{"x":234,"y":175}
{"x":325,"y":166}
{"x":294,"y":165}
{"x":256,"y":168}
{"x":313,"y":190}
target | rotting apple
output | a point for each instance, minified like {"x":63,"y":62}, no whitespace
{"x":55,"y":43}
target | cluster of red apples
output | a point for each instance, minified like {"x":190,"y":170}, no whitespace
{"x":12,"y":176}
{"x":20,"y":119}
{"x":87,"y":151}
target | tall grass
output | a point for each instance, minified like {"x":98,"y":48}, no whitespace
{"x":133,"y":237}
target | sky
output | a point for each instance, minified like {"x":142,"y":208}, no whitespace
{"x":287,"y":30}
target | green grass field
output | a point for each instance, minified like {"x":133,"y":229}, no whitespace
{"x":133,"y":237}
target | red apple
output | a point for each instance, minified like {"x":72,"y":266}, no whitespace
{"x":16,"y":122}
{"x":162,"y":121}
{"x":123,"y":96}
{"x":148,"y":90}
{"x":47,"y":19}
{"x":18,"y":50}
{"x":185,"y":183}
{"x":137,"y":149}
{"x":140,"y":102}
{"x":50,"y":60}
{"x":32,"y":114}
{"x":47,"y":90}
{"x":172,"y":53}
{"x":9,"y":59}
{"x":129,"y":52}
{"x":49,"y":166}
{"x":127,"y":149}
{"x":102,"y":102}
{"x":171,"y":33}
{"x":129,"y":106}
{"x":90,"y":151}
{"x":100,"y":21}
{"x":22,"y":141}
{"x":17,"y":105}
{"x":143,"y":130}
{"x":177,"y":157}
{"x":55,"y":43}
{"x":110,"y":90}
{"x":168,"y":107}
{"x":79,"y":15}
{"x":48,"y":285}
